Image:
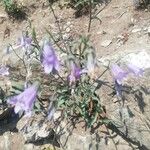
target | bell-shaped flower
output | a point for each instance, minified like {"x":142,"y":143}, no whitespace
{"x":75,"y":73}
{"x":135,"y":70}
{"x":25,"y":100}
{"x":49,"y":59}
{"x":4,"y":70}
{"x":118,"y":73}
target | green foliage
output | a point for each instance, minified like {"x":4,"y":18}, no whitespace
{"x":75,"y":99}
{"x":14,"y":10}
{"x":80,"y":101}
{"x":82,"y":7}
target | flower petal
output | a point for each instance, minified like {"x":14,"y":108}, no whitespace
{"x":135,"y":70}
{"x":118,"y":73}
{"x":17,"y":109}
{"x":49,"y":59}
{"x":75,"y":73}
{"x":25,"y":100}
{"x":48,"y":68}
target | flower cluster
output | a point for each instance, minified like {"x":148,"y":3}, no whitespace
{"x":51,"y":64}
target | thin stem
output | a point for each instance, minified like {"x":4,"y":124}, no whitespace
{"x":60,"y":32}
{"x":90,"y":17}
{"x":111,"y":138}
{"x":55,"y":41}
{"x":20,"y":58}
{"x":61,"y":78}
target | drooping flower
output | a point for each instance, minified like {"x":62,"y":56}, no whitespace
{"x":49,"y":59}
{"x":75,"y":73}
{"x":118,"y":73}
{"x":25,"y":100}
{"x":135,"y":70}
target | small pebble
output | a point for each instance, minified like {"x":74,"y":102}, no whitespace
{"x":106,"y":43}
{"x":136,"y":30}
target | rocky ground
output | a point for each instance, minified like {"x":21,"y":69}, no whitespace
{"x":123,"y":34}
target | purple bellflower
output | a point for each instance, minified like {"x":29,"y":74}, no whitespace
{"x":4,"y":70}
{"x":118,"y":73}
{"x":25,"y":100}
{"x":75,"y":73}
{"x":135,"y":70}
{"x":49,"y":59}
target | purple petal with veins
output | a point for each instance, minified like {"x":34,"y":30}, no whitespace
{"x":49,"y":59}
{"x":118,"y":73}
{"x":25,"y":100}
{"x":75,"y":73}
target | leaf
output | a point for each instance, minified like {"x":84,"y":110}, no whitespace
{"x":60,"y":102}
{"x":17,"y":88}
{"x":94,"y":119}
{"x":33,"y":34}
{"x":105,"y":121}
{"x":37,"y":106}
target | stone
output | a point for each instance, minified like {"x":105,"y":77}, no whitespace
{"x":68,"y":23}
{"x":28,"y":147}
{"x":3,"y":17}
{"x":101,"y":32}
{"x":140,"y":59}
{"x":35,"y":129}
{"x":106,"y":43}
{"x":135,"y":30}
{"x":66,"y":36}
{"x":132,"y":118}
{"x":68,"y":29}
{"x":79,"y":139}
{"x":5,"y":142}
